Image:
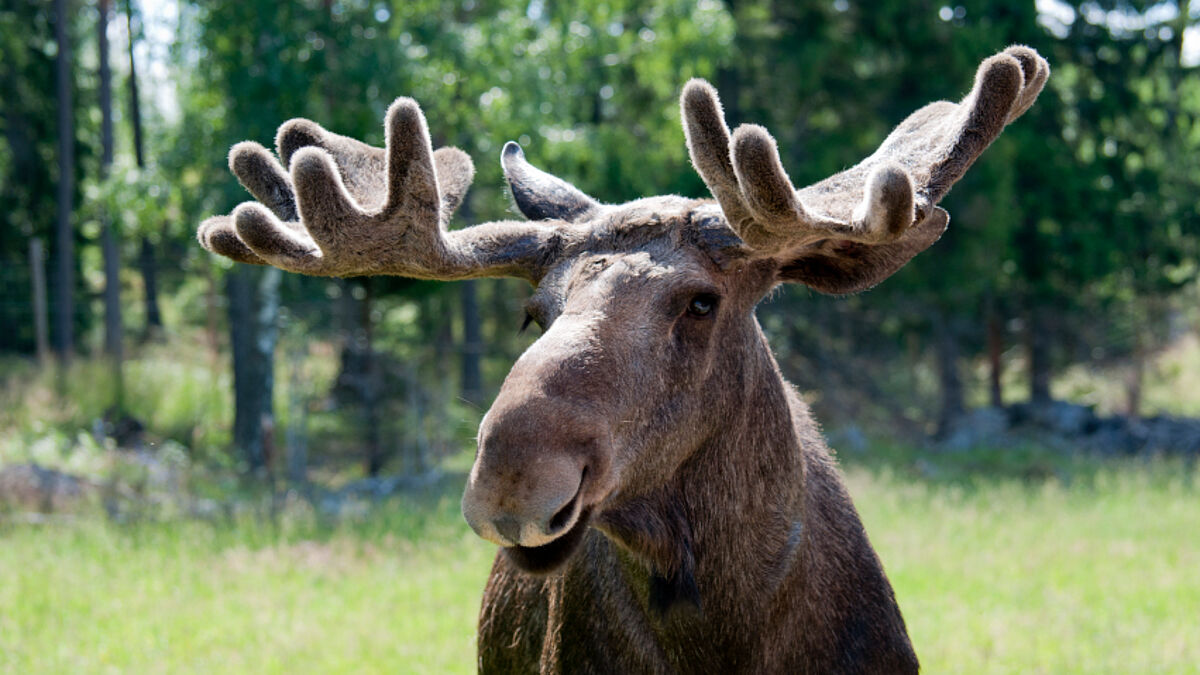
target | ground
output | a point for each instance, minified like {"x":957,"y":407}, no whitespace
{"x":1083,"y":570}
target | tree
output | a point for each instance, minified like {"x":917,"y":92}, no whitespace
{"x":113,"y":330}
{"x":253,"y":311}
{"x":28,"y":138}
{"x":64,"y":269}
{"x":147,"y":262}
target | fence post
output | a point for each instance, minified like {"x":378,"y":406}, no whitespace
{"x":37,"y":269}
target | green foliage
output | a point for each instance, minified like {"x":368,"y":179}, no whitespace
{"x":1082,"y":216}
{"x":183,"y":401}
{"x":28,"y":151}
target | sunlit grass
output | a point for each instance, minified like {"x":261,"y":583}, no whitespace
{"x":397,"y":593}
{"x":1014,"y":577}
{"x":994,"y":576}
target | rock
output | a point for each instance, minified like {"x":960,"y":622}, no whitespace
{"x":981,"y":426}
{"x":1113,"y":436}
{"x":850,"y":439}
{"x":1070,"y":427}
{"x":382,"y":487}
{"x":1171,"y":435}
{"x":1060,"y":417}
{"x":34,"y":488}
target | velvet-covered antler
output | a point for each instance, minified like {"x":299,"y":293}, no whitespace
{"x":345,"y":208}
{"x":856,"y":228}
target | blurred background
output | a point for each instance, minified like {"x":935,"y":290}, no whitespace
{"x":211,"y":465}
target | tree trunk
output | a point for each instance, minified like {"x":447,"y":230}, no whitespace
{"x":297,"y":428}
{"x":64,"y":270}
{"x":253,"y":309}
{"x":113,"y":333}
{"x":995,"y":350}
{"x":472,"y":346}
{"x":1133,"y":385}
{"x":1039,"y":357}
{"x":147,"y":265}
{"x":135,"y":107}
{"x":375,"y":455}
{"x":359,"y":382}
{"x":106,"y":120}
{"x":1137,"y":365}
{"x":37,"y":267}
{"x":211,"y":314}
{"x":952,"y":405}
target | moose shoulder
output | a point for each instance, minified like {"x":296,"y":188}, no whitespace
{"x":662,"y":498}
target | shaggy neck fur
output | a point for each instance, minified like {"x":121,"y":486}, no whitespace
{"x":697,"y":551}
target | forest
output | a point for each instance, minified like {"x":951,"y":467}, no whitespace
{"x":249,"y":433}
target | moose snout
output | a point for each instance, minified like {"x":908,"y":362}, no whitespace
{"x":528,"y":505}
{"x":545,"y":447}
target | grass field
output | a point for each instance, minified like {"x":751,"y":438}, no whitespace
{"x":994,"y":576}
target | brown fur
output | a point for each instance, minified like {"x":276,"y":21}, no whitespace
{"x":722,"y":539}
{"x":664,"y":500}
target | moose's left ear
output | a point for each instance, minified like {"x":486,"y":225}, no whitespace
{"x":541,"y":196}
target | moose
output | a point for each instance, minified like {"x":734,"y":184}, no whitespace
{"x":662,"y":497}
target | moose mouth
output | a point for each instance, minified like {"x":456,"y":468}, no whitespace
{"x":546,"y":558}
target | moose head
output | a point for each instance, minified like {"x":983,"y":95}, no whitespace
{"x":650,"y":348}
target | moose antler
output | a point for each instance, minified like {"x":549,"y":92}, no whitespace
{"x":852,"y":229}
{"x":347,"y":209}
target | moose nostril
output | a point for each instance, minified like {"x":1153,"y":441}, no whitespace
{"x":563,"y":517}
{"x":508,"y":528}
{"x":560,"y":519}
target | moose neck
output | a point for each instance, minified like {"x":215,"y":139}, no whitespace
{"x":722,"y":534}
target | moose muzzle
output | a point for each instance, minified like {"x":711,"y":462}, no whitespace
{"x":545,"y":450}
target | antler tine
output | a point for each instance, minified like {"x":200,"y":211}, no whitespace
{"x":747,"y":179}
{"x":362,"y":210}
{"x":542,"y":196}
{"x":261,"y":174}
{"x":1035,"y":71}
{"x":364,"y":167}
{"x":218,"y":234}
{"x":968,"y":129}
{"x":783,"y":221}
{"x":708,"y":145}
{"x":939,"y":142}
{"x":885,"y":195}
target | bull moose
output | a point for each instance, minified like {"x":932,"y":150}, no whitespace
{"x":663,"y":499}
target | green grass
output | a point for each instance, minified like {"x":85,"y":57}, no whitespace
{"x":1033,"y":577}
{"x":396,"y":593}
{"x":994,"y":576}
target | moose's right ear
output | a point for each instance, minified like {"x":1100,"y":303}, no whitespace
{"x":541,"y":196}
{"x":837,"y":266}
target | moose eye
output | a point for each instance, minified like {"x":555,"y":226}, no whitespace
{"x":702,"y":305}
